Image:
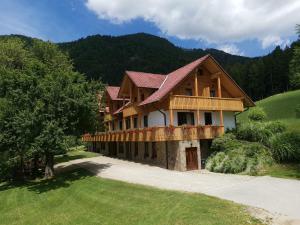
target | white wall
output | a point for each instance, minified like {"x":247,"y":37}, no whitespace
{"x":155,"y":118}
{"x":229,"y":122}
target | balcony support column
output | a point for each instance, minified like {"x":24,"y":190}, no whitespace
{"x":140,"y":120}
{"x":171,"y":117}
{"x":124,"y":123}
{"x":219,"y":87}
{"x":198,"y":118}
{"x":131,"y":122}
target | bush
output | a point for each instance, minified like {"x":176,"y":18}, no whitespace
{"x":275,"y":127}
{"x":248,"y":158}
{"x":285,"y":147}
{"x":225,"y":142}
{"x":257,"y":114}
{"x":254,"y":132}
{"x":297,"y":111}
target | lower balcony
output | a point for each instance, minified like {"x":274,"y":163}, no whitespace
{"x":158,"y":134}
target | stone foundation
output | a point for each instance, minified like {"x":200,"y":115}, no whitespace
{"x":146,"y":154}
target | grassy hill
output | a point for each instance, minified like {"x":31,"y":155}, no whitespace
{"x":280,"y":107}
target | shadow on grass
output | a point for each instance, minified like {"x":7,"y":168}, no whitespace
{"x":63,"y":179}
{"x":66,"y":158}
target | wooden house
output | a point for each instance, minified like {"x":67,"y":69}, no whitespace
{"x":169,"y":120}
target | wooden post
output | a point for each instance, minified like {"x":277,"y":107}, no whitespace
{"x":171,"y":110}
{"x":219,"y":87}
{"x":124,"y":123}
{"x":140,"y":120}
{"x":221,"y":118}
{"x":138,"y":95}
{"x":196,"y":85}
{"x":131,"y":122}
{"x":109,"y":125}
{"x":198,"y":117}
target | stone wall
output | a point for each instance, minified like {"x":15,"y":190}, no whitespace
{"x":176,"y":153}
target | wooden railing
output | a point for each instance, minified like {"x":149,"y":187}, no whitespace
{"x":182,"y":102}
{"x":158,"y":134}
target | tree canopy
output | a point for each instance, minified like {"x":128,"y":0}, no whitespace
{"x":43,"y":102}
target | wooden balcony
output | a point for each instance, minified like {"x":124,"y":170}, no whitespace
{"x":107,"y":117}
{"x":131,"y":110}
{"x":158,"y":134}
{"x":182,"y":102}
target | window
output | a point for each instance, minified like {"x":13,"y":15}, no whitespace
{"x":142,"y":97}
{"x":135,"y":122}
{"x":135,"y":99}
{"x":136,"y":149}
{"x":146,"y":121}
{"x":154,"y":150}
{"x":146,"y":152}
{"x":188,"y":91}
{"x":208,"y":118}
{"x":212,"y":93}
{"x":127,"y":121}
{"x":185,"y":118}
{"x":121,"y":148}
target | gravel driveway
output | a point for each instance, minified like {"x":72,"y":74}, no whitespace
{"x":276,"y":195}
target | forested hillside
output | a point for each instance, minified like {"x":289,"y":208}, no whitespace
{"x":107,"y":57}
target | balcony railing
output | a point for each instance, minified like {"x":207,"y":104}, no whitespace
{"x":182,"y":102}
{"x":131,"y":109}
{"x":158,"y":134}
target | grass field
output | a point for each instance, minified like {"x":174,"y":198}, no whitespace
{"x":75,"y":153}
{"x":280,"y":107}
{"x":76,"y":197}
{"x":284,"y":171}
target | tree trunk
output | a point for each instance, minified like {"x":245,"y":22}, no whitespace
{"x":49,"y":167}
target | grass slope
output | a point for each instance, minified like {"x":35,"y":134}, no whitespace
{"x":280,"y":107}
{"x":76,"y":197}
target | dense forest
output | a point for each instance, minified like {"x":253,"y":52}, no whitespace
{"x":107,"y":57}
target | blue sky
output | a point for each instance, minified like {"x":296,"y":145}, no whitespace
{"x":235,"y":27}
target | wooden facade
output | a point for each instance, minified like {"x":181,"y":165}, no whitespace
{"x":206,"y":88}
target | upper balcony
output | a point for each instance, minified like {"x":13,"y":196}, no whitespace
{"x":183,"y":102}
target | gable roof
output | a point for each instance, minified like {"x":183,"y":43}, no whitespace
{"x":146,"y":80}
{"x":113,"y":92}
{"x":175,"y":77}
{"x":172,"y":80}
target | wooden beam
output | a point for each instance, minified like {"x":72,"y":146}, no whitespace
{"x":221,"y":118}
{"x":196,"y":84}
{"x":140,"y":120}
{"x":124,"y":123}
{"x":131,"y":122}
{"x":219,"y":88}
{"x":198,"y":116}
{"x":171,"y":117}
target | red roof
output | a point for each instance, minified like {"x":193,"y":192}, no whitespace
{"x":172,"y":79}
{"x":113,"y":92}
{"x":146,"y":80}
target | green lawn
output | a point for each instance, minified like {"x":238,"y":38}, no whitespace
{"x":280,"y":107}
{"x":77,"y":197}
{"x":284,"y":171}
{"x":75,"y":153}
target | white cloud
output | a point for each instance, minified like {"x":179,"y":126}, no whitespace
{"x":274,"y":40}
{"x":215,"y":21}
{"x":231,"y":49}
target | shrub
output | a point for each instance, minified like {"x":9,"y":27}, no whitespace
{"x":297,"y":111}
{"x":255,"y":132}
{"x":225,"y":142}
{"x":285,"y":147}
{"x":248,"y":158}
{"x":257,"y":114}
{"x":275,"y":127}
